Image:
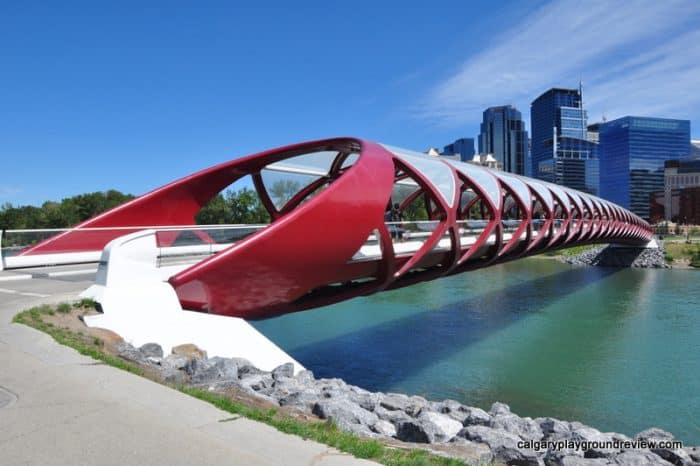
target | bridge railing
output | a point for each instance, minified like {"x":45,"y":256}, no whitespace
{"x":21,"y":248}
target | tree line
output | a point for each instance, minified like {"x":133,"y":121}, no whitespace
{"x":242,"y":206}
{"x":63,"y":214}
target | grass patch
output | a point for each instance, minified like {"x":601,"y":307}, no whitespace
{"x":322,"y":432}
{"x":683,"y":251}
{"x":573,"y":251}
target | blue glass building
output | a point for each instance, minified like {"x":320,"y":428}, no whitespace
{"x":560,"y":150}
{"x":463,"y":147}
{"x":632,"y":155}
{"x":503,"y":134}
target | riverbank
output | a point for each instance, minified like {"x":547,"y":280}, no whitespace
{"x":675,"y":254}
{"x":444,"y":428}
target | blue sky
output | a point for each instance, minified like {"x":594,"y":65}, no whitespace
{"x":101,"y":95}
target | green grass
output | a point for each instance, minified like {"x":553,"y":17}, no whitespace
{"x":573,"y":251}
{"x":322,"y":432}
{"x":682,"y":251}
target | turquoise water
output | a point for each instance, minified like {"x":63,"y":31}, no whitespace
{"x":618,"y":349}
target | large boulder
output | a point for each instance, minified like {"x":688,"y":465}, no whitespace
{"x":395,"y":402}
{"x":392,"y":416}
{"x":416,"y":431}
{"x":447,"y":427}
{"x":127,"y":351}
{"x":151,"y":350}
{"x":189,"y":350}
{"x":303,"y":400}
{"x":284,"y":370}
{"x":553,"y":428}
{"x":499,"y":409}
{"x":595,"y":440}
{"x":504,"y":445}
{"x":384,"y":428}
{"x":658,"y":440}
{"x":525,"y":428}
{"x":346,"y":415}
{"x":260,"y":383}
{"x":464,"y":414}
{"x":471,"y":452}
{"x":639,"y":458}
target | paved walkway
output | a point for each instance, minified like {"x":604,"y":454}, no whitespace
{"x":57,"y":407}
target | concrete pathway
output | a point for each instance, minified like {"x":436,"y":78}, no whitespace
{"x":58,"y":407}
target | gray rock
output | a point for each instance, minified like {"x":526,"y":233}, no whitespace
{"x":654,"y":435}
{"x":261,"y":383}
{"x":346,"y":415}
{"x":464,"y":414}
{"x":499,"y":409}
{"x":410,"y":405}
{"x":245,"y":367}
{"x":394,"y":402}
{"x":503,"y":444}
{"x":677,"y":456}
{"x":127,"y":351}
{"x":639,"y":458}
{"x":154,"y":361}
{"x":694,"y":453}
{"x":302,"y":400}
{"x":384,"y":428}
{"x":227,"y":367}
{"x":417,"y":431}
{"x":472,"y":452}
{"x":582,"y":433}
{"x":153,"y":350}
{"x":553,"y":428}
{"x":580,"y":461}
{"x":525,"y":428}
{"x":476,"y":417}
{"x":284,"y":370}
{"x":202,"y":371}
{"x":175,"y":361}
{"x":172,"y":376}
{"x":392,"y":416}
{"x":446,"y":427}
{"x":305,"y":377}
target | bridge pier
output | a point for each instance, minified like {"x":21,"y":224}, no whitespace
{"x":140,"y":306}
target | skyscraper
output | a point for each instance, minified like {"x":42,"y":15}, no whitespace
{"x":561,"y":152}
{"x":463,"y":146}
{"x":503,"y":135}
{"x":632,"y":155}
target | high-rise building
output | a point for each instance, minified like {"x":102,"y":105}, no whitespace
{"x":632,"y":155}
{"x":503,"y":134}
{"x":561,"y":151}
{"x":464,"y":147}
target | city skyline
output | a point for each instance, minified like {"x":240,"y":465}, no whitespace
{"x":92,"y":92}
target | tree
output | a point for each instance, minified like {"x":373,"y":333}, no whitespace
{"x":242,"y":206}
{"x":282,"y":191}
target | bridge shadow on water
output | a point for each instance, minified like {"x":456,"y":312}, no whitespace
{"x":378,"y":357}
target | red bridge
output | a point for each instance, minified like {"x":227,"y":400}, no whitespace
{"x":351,"y":225}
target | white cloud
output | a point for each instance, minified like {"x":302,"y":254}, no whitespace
{"x":638,"y":57}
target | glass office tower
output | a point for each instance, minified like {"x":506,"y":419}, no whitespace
{"x":503,"y":135}
{"x":463,"y":146}
{"x":560,"y":150}
{"x":632,"y":155}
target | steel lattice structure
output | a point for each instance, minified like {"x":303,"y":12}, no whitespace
{"x":329,"y":239}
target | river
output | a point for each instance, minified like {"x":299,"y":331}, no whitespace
{"x":617,"y":349}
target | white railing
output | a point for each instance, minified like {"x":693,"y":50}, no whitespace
{"x":189,"y":240}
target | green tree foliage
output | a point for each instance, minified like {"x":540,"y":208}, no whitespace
{"x":282,"y":191}
{"x":242,"y":206}
{"x":64,"y":214}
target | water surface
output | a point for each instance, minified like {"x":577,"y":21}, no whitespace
{"x":618,"y":349}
